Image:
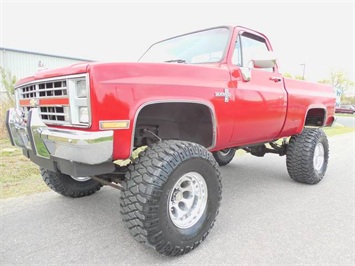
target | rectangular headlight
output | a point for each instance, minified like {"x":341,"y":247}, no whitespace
{"x":81,"y":90}
{"x":79,"y":95}
{"x":83,"y":115}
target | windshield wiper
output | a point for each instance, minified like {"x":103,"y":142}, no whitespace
{"x":180,"y":61}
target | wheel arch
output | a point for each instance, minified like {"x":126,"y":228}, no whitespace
{"x":315,"y":116}
{"x":199,"y":104}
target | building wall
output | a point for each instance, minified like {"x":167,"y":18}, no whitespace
{"x":23,"y":64}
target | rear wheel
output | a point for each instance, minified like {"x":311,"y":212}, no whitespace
{"x":66,"y":185}
{"x":171,"y":196}
{"x":307,"y":156}
{"x":224,"y":157}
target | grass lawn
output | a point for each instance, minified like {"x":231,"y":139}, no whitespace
{"x":336,"y":130}
{"x":19,"y":176}
{"x":346,"y":115}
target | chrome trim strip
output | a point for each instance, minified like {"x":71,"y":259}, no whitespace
{"x":205,"y":103}
{"x":51,"y":79}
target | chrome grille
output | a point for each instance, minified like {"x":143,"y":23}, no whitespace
{"x":53,"y":113}
{"x":57,"y":100}
{"x":52,"y":89}
{"x":28,"y":92}
{"x":49,"y":113}
{"x":56,"y":88}
{"x":58,"y":114}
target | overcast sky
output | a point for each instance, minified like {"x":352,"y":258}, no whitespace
{"x":319,"y":34}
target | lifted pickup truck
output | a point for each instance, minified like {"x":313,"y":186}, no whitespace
{"x":192,"y":101}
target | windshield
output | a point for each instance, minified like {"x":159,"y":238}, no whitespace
{"x":200,"y":47}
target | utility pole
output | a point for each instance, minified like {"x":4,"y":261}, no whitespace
{"x":304,"y":69}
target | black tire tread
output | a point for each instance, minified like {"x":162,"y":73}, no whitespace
{"x":299,"y":156}
{"x":143,"y":186}
{"x":224,"y":160}
{"x":56,"y":182}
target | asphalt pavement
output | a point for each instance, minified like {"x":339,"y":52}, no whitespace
{"x":265,"y":218}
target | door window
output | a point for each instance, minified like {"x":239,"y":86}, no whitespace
{"x":248,"y":46}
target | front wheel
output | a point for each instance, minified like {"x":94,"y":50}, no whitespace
{"x":171,"y":196}
{"x":224,"y":157}
{"x":307,"y":156}
{"x":68,"y":186}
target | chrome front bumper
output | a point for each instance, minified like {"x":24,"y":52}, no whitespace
{"x":91,"y":148}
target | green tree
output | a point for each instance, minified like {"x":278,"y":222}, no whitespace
{"x":8,"y":82}
{"x":338,"y":79}
{"x":299,"y":77}
{"x":348,"y":100}
{"x":288,"y":75}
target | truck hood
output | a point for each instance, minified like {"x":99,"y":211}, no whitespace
{"x":45,"y":74}
{"x":159,"y":73}
{"x":134,"y":72}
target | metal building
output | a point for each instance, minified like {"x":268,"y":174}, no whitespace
{"x":23,"y":63}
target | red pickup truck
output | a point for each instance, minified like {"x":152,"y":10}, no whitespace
{"x":191,"y":101}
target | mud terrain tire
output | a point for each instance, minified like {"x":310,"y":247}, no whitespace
{"x":171,"y":196}
{"x":224,"y":157}
{"x":307,"y":156}
{"x":69,"y":186}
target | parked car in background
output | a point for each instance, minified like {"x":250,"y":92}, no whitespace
{"x":345,"y":109}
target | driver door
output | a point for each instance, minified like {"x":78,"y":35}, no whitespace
{"x":260,"y":96}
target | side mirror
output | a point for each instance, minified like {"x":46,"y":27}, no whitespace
{"x":261,"y":60}
{"x":264,"y":60}
{"x":246,"y":73}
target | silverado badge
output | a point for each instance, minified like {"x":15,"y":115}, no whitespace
{"x":226,"y":94}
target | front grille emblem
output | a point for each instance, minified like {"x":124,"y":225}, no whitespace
{"x":34,"y":102}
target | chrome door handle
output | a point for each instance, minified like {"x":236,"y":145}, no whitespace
{"x":275,"y":79}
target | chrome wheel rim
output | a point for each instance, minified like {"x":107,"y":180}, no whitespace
{"x":188,"y":200}
{"x":81,"y":178}
{"x":225,"y":152}
{"x":318,"y":157}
